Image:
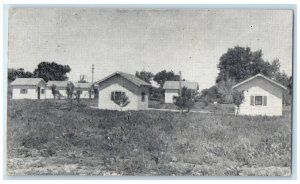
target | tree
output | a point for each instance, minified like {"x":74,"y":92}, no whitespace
{"x":163,"y":76}
{"x":52,"y":71}
{"x":238,"y":98}
{"x":282,"y":78}
{"x":78,"y":92}
{"x":186,"y":100}
{"x":240,"y":63}
{"x":18,"y":73}
{"x":156,"y":93}
{"x":145,"y":76}
{"x":210,"y":95}
{"x":70,"y":90}
{"x":225,"y":89}
{"x":54,"y":91}
{"x":290,"y":85}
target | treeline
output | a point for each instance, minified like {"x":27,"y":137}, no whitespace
{"x":46,"y":70}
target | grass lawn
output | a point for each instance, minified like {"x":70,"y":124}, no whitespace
{"x":51,"y":138}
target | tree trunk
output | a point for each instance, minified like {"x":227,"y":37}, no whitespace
{"x":237,"y":110}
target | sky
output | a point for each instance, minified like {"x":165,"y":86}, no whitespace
{"x":130,"y":40}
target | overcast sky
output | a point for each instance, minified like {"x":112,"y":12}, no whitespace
{"x":133,"y":40}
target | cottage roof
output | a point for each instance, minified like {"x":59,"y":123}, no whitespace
{"x":58,"y":83}
{"x":132,"y":78}
{"x":27,"y":81}
{"x":259,"y":76}
{"x":175,"y":85}
{"x":83,"y":85}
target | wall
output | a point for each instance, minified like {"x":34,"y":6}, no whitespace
{"x":85,"y":93}
{"x":105,"y":102}
{"x":118,"y":83}
{"x":169,"y":93}
{"x":143,"y":104}
{"x":32,"y":91}
{"x":261,"y":87}
{"x":42,"y":85}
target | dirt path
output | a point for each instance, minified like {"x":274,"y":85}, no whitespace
{"x":175,"y":110}
{"x":166,"y":110}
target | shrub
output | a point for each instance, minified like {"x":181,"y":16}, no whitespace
{"x":238,"y":98}
{"x":186,"y":100}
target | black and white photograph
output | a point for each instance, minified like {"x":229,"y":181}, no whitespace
{"x":149,"y":92}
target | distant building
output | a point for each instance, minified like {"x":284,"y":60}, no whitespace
{"x":61,"y":86}
{"x":28,"y":88}
{"x":118,"y":84}
{"x":263,"y":96}
{"x":172,"y":89}
{"x":85,"y":88}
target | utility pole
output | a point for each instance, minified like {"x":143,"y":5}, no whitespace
{"x":93,"y":73}
{"x":179,"y":83}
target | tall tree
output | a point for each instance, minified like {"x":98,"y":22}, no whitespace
{"x":163,"y":76}
{"x":52,"y":71}
{"x":145,"y":76}
{"x":240,"y":63}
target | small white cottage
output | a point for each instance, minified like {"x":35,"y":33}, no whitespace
{"x":85,"y":89}
{"x":61,"y":86}
{"x":263,"y":96}
{"x":172,"y":89}
{"x":28,"y":88}
{"x":122,"y":84}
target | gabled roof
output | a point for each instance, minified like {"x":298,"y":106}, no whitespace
{"x":27,"y":81}
{"x":58,"y":83}
{"x":261,"y":76}
{"x":175,"y":85}
{"x":132,"y":78}
{"x":83,"y":85}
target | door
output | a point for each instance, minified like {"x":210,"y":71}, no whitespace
{"x":39,"y":91}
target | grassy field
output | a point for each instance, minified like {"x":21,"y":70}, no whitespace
{"x":52,"y":138}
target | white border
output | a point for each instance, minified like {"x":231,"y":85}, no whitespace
{"x":178,"y":2}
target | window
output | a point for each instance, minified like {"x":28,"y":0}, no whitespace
{"x":143,"y":96}
{"x":116,"y":95}
{"x":259,"y":100}
{"x":23,"y":91}
{"x":42,"y":91}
